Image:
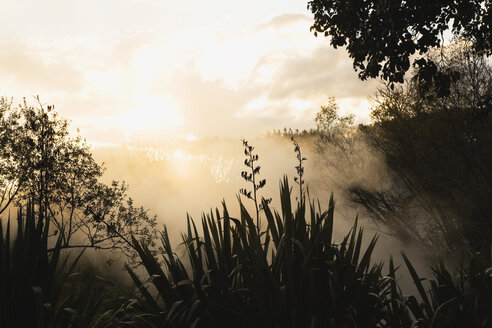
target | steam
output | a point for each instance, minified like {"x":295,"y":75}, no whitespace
{"x":173,"y":178}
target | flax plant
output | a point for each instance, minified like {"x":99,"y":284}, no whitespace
{"x":453,"y":299}
{"x":229,"y":278}
{"x":33,"y":276}
{"x":252,"y":177}
{"x":299,"y":168}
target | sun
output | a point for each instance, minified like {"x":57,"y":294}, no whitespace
{"x":150,"y":113}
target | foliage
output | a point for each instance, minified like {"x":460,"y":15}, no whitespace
{"x":297,"y":278}
{"x":462,"y":301}
{"x":438,"y":153}
{"x":329,"y":121}
{"x":332,"y":128}
{"x":470,"y":82}
{"x":441,"y":158}
{"x":14,"y":163}
{"x":40,"y":161}
{"x":382,"y":36}
{"x":32,"y":279}
{"x":470,"y":89}
{"x":340,"y":147}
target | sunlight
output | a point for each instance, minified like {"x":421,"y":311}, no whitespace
{"x":150,"y":112}
{"x":299,"y":107}
{"x":178,"y":154}
{"x":181,"y":163}
{"x":191,"y":137}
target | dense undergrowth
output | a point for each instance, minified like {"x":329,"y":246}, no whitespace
{"x":291,"y":274}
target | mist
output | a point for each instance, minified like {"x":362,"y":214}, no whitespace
{"x":173,"y":178}
{"x":178,"y":177}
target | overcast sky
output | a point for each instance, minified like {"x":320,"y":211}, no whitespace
{"x":122,"y":70}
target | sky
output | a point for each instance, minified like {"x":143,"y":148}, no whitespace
{"x":124,"y":70}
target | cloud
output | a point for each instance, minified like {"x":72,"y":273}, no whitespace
{"x":207,"y":107}
{"x":235,"y":81}
{"x":89,"y":105}
{"x":285,"y":89}
{"x":211,"y":107}
{"x":284,"y":20}
{"x":324,"y":71}
{"x":28,"y":70}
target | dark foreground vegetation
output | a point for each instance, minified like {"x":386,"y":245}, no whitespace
{"x":293,"y":274}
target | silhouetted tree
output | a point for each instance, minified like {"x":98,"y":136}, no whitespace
{"x":440,"y":152}
{"x":381,"y":36}
{"x":40,"y":162}
{"x":329,"y":121}
{"x":471,"y":78}
{"x":334,"y":131}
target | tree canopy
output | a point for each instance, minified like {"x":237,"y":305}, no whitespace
{"x":328,"y":119}
{"x":382,"y":36}
{"x":42,"y":164}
